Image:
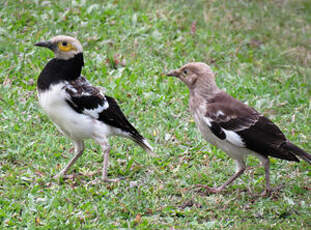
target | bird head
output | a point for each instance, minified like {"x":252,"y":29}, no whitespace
{"x":194,"y":75}
{"x":64,"y":47}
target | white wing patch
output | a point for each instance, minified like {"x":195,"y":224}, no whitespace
{"x":219,"y":113}
{"x":85,"y":94}
{"x":95,"y":112}
{"x":234,"y":138}
{"x":231,"y":136}
{"x":69,"y":86}
{"x":208,"y":121}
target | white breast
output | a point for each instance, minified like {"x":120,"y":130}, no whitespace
{"x":74,"y":125}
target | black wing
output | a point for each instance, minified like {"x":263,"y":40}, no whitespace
{"x":87,"y":99}
{"x":241,"y":125}
{"x":115,"y":117}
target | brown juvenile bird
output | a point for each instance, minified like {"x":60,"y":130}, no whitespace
{"x":232,"y":126}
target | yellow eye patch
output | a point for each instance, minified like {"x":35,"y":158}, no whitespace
{"x":65,"y":46}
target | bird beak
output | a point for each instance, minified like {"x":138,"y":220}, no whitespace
{"x":173,"y":73}
{"x":46,"y":44}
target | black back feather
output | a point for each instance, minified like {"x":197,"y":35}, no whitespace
{"x":115,"y":117}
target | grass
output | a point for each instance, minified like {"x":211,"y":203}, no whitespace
{"x":261,"y":53}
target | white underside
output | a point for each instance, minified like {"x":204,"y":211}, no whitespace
{"x":72,"y":124}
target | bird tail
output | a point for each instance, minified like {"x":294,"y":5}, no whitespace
{"x":297,"y":151}
{"x":142,"y":142}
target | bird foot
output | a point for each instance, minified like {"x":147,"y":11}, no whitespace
{"x":95,"y":181}
{"x":59,"y":175}
{"x":64,"y":176}
{"x":152,"y":154}
{"x":111,"y":180}
{"x":105,"y":179}
{"x":271,"y":191}
{"x":266,"y":193}
{"x":209,"y":189}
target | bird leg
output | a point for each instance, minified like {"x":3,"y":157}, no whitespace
{"x":230,"y":180}
{"x":240,"y":169}
{"x":106,"y":151}
{"x":266,"y":164}
{"x":79,"y":148}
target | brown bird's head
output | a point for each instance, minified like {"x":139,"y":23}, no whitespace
{"x":196,"y":75}
{"x":64,"y":47}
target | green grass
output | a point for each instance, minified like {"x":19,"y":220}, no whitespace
{"x":261,"y":53}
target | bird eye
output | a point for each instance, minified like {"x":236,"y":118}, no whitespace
{"x":65,"y":46}
{"x":185,"y":71}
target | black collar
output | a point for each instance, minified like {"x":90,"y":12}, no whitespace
{"x":57,"y":70}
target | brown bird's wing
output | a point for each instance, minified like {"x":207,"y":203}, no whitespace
{"x":241,"y":125}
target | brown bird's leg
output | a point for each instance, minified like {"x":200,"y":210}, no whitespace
{"x":79,"y":148}
{"x":266,"y":164}
{"x":240,"y":169}
{"x":230,"y":180}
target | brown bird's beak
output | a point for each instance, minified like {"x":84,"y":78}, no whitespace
{"x":46,"y":44}
{"x":173,"y":73}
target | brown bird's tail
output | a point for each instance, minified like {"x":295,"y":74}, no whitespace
{"x":297,"y":151}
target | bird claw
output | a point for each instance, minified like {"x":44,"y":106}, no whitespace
{"x":152,"y":154}
{"x":63,"y":176}
{"x":58,"y":176}
{"x":209,"y":189}
{"x":101,"y":180}
{"x":266,"y":193}
{"x":271,"y":191}
{"x":113,"y":180}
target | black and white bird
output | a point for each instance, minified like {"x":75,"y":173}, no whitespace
{"x":78,"y":109}
{"x":232,"y":126}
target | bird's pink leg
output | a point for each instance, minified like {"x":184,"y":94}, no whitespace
{"x":79,"y":148}
{"x":230,"y":180}
{"x":240,"y":169}
{"x":106,"y":151}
